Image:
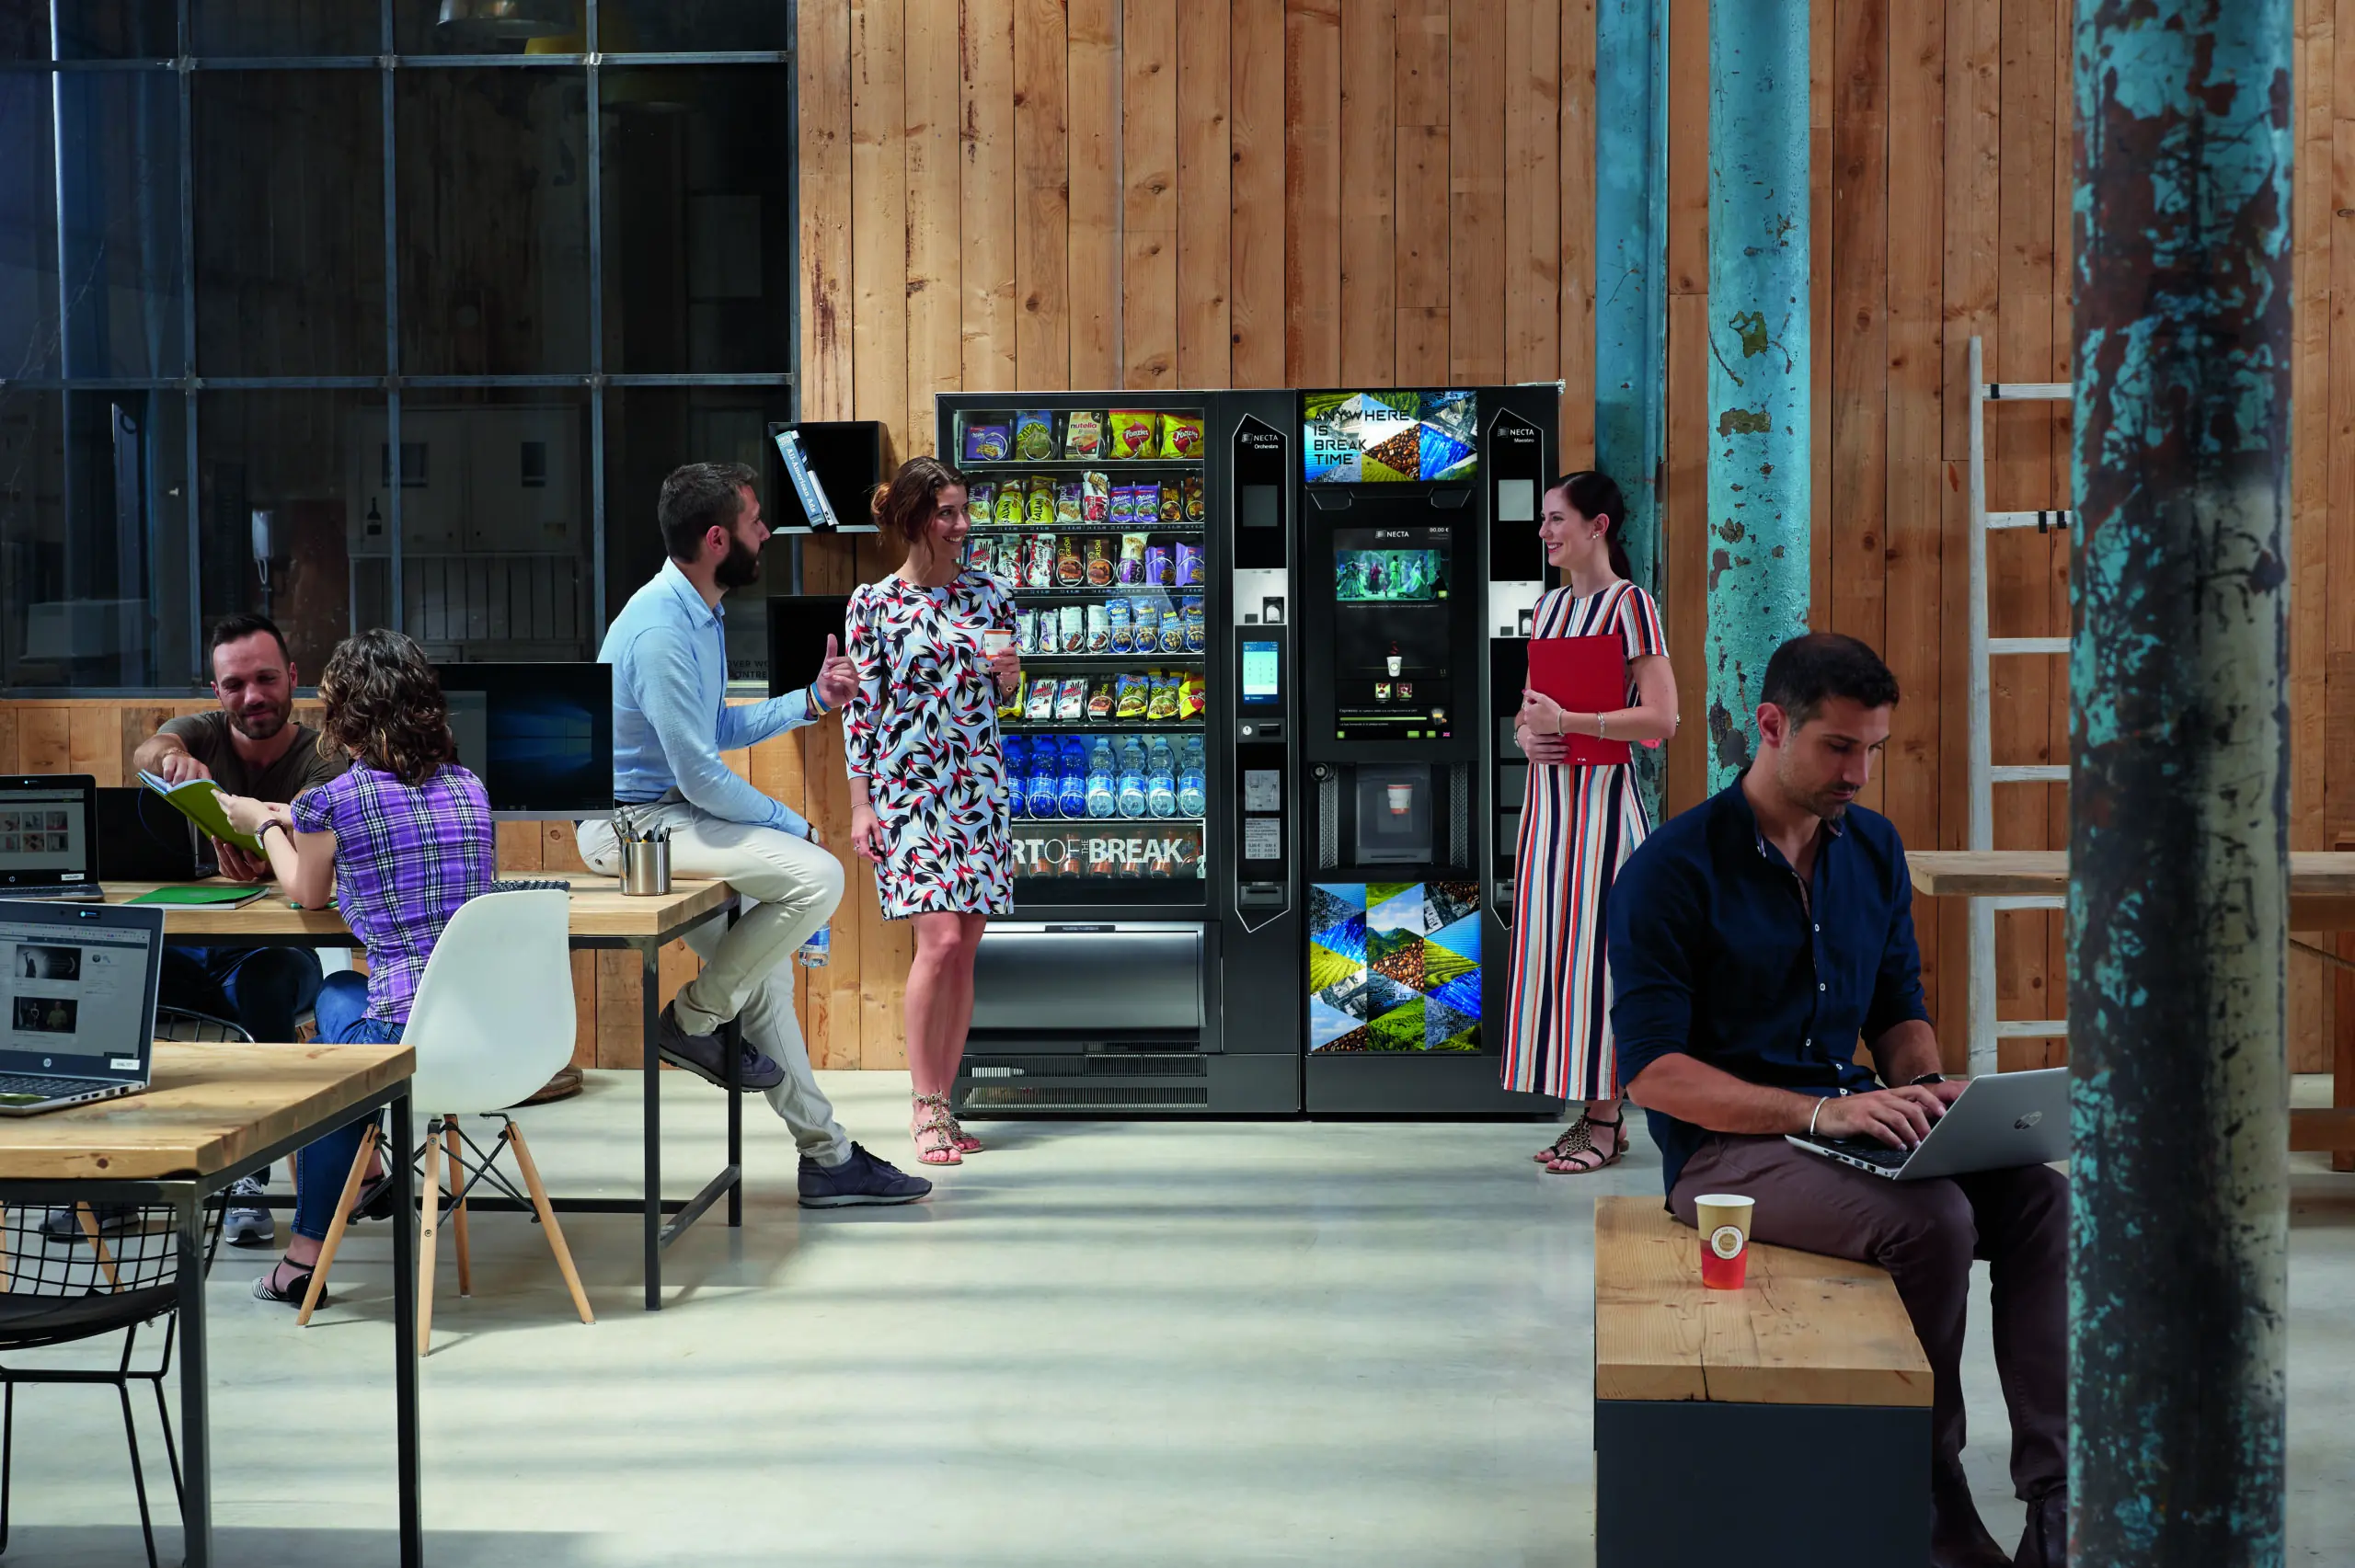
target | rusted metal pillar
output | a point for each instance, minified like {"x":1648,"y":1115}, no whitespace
{"x":1759,"y":495}
{"x":2179,"y":787}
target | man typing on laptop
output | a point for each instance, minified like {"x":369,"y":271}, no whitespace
{"x":1754,"y":942}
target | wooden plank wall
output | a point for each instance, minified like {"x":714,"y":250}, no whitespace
{"x":1124,"y":193}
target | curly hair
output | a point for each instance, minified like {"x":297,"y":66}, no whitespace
{"x":906,"y":505}
{"x":385,"y":702}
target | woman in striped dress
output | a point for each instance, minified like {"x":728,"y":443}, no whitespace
{"x":1579,"y":825}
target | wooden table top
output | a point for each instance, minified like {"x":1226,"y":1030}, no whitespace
{"x":208,"y":1108}
{"x":599,"y":909}
{"x":2322,"y":882}
{"x":1804,"y":1330}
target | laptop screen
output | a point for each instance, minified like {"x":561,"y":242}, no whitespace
{"x":44,"y":835}
{"x":77,"y":991}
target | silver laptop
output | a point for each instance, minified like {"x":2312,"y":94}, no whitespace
{"x":2010,"y":1118}
{"x":48,"y":839}
{"x":77,"y":1002}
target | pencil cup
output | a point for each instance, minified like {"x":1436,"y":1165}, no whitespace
{"x":646,"y":867}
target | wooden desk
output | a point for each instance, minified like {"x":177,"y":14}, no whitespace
{"x":1749,"y":1389}
{"x":2322,"y":898}
{"x":213,"y":1114}
{"x":602,"y":916}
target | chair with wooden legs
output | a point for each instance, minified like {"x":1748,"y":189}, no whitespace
{"x":493,"y":1018}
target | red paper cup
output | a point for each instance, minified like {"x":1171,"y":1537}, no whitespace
{"x":1724,"y":1219}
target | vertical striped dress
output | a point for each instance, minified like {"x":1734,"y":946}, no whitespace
{"x":1578,"y":828}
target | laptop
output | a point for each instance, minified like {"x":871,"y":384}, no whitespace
{"x":77,"y":1002}
{"x":48,"y":845}
{"x":1997,"y":1122}
{"x":142,"y":836}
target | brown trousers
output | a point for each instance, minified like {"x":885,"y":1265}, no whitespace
{"x":1925,"y":1234}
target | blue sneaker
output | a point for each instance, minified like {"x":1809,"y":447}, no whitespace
{"x":862,"y":1178}
{"x":706,"y":1056}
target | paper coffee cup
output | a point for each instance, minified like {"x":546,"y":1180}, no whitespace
{"x":1397,"y":665}
{"x":1724,"y":1220}
{"x":1402,"y":799}
{"x":995,"y":641}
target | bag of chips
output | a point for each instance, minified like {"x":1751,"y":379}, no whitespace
{"x":1173,"y":628}
{"x":1196,"y":629}
{"x":1193,"y":492}
{"x":1071,"y":568}
{"x":1099,"y":562}
{"x":1190,"y":565}
{"x":1101,"y":699}
{"x":1067,"y":507}
{"x":1146,"y":613}
{"x":1193,"y":694}
{"x":980,"y":501}
{"x":1132,"y":432}
{"x":987,"y":443}
{"x":1158,"y":571}
{"x":1038,"y":501}
{"x":1164,"y":702}
{"x":1132,"y":565}
{"x":1096,"y":497}
{"x":1083,"y":434}
{"x":1034,"y":435}
{"x":1007,"y":511}
{"x":1072,"y":635}
{"x":1121,"y":626}
{"x":1099,"y":628}
{"x":1181,"y":435}
{"x":1132,"y":695}
{"x":1041,"y":706}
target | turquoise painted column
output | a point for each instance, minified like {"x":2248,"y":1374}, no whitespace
{"x":1759,"y":493}
{"x":1631,"y":288}
{"x":2179,"y":800}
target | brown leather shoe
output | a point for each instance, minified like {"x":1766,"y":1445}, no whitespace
{"x":1958,"y":1539}
{"x":2045,"y":1543}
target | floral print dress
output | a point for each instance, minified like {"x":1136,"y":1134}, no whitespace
{"x":922,"y":730}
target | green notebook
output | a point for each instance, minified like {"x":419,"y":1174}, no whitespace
{"x":200,"y":801}
{"x":200,"y":893}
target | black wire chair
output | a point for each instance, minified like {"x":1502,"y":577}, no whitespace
{"x":118,"y":1276}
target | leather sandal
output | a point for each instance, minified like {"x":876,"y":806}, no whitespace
{"x":935,"y":1131}
{"x":1580,"y":1139}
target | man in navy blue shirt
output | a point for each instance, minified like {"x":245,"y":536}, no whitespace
{"x":1756,"y":942}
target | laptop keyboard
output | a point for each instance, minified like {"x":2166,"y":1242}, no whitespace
{"x":531,"y":884}
{"x":77,"y":895}
{"x":1871,"y":1151}
{"x":48,"y":1088}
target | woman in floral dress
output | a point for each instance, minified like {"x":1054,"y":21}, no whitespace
{"x":927,"y":782}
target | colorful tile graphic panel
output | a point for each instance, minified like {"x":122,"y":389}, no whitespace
{"x":1394,"y":967}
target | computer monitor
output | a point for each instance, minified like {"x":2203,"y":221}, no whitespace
{"x":540,"y":736}
{"x":798,"y":626}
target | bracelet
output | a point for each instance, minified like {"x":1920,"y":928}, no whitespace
{"x":1820,"y":1103}
{"x":816,"y":701}
{"x":1602,"y":727}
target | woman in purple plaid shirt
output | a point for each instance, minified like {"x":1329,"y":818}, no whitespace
{"x":398,"y":842}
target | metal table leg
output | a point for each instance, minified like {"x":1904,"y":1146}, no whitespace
{"x":649,"y":999}
{"x":196,"y":1437}
{"x":405,"y":1345}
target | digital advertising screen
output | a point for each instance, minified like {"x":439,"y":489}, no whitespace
{"x":1375,"y":438}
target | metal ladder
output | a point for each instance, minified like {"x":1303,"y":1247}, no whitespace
{"x":1984,"y":1028}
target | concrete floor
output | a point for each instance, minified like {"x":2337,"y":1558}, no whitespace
{"x":1233,"y":1344}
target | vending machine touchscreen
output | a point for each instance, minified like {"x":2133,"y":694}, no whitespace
{"x":1393,"y":654}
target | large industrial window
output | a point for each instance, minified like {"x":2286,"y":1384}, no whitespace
{"x":372,"y":313}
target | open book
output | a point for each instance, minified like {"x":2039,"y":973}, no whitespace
{"x":200,"y":801}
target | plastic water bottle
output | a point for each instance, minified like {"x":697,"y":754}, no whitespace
{"x":1016,"y":759}
{"x":1193,"y":794}
{"x":1042,"y":785}
{"x":818,"y":951}
{"x":1132,"y":778}
{"x":1071,"y":785}
{"x":1161,"y":779}
{"x":1102,"y":797}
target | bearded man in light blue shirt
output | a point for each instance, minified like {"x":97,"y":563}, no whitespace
{"x":671,"y":720}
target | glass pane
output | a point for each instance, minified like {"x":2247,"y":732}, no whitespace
{"x":503,"y":27}
{"x":697,"y":221}
{"x":97,"y":29}
{"x":496,"y":541}
{"x":494,"y":222}
{"x":93,"y":540}
{"x":283,"y":480}
{"x":487,"y":27}
{"x":28,"y":228}
{"x":258,"y":28}
{"x":289,"y":230}
{"x":119,"y":191}
{"x":649,"y":430}
{"x":625,"y":25}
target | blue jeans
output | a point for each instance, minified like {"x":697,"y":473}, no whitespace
{"x":262,"y":987}
{"x":320,"y":1166}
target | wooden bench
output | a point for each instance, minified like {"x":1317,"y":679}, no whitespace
{"x":1785,"y":1423}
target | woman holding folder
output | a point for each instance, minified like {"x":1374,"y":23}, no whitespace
{"x":1598,"y":679}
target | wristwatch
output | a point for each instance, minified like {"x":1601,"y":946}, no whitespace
{"x":1927,"y":1079}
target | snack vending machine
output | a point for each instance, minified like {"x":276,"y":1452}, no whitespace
{"x":1133,"y":976}
{"x":1410,"y":505}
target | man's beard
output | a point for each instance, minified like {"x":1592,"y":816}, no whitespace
{"x":741,"y":569}
{"x":259,"y":725}
{"x":1824,"y":804}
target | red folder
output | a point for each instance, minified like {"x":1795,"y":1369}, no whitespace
{"x":1585,"y":675}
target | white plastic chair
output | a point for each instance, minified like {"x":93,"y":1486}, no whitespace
{"x":493,"y":1019}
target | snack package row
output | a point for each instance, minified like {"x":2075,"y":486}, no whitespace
{"x":1075,"y":560}
{"x":1152,"y":696}
{"x":1043,"y":500}
{"x":1116,"y":626}
{"x":1082,"y":435}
